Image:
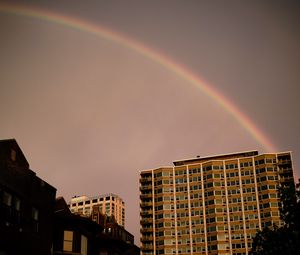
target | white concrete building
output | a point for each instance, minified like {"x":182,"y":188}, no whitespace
{"x":211,"y":205}
{"x":110,"y":204}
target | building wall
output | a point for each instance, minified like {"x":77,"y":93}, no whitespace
{"x":211,"y":205}
{"x":26,"y":205}
{"x":109,"y":204}
{"x":74,"y":234}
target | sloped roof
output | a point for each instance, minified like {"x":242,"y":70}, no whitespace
{"x":6,"y":147}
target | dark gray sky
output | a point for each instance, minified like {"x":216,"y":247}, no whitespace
{"x":90,"y":113}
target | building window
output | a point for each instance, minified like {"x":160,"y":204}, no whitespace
{"x":6,"y":207}
{"x":16,"y":210}
{"x":7,"y":198}
{"x":10,"y":208}
{"x":35,"y":219}
{"x":68,"y":241}
{"x":83,"y":245}
{"x":13,"y":155}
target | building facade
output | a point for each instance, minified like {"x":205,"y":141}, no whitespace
{"x":95,"y":235}
{"x":211,"y":205}
{"x":109,"y":204}
{"x":26,"y":205}
{"x":72,"y":233}
{"x":111,"y":227}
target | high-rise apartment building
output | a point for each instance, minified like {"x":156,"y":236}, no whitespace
{"x":211,"y":205}
{"x":109,"y":204}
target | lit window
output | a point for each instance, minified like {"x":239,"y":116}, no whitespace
{"x":35,"y":218}
{"x":13,"y":155}
{"x":83,"y":245}
{"x":35,"y":213}
{"x":17,"y":204}
{"x":68,"y":241}
{"x":7,"y":198}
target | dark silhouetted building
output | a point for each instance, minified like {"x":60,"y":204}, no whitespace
{"x":73,"y":234}
{"x":26,"y":205}
{"x":79,"y":234}
{"x":33,"y":222}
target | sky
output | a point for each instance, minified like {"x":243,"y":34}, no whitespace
{"x":90,"y":111}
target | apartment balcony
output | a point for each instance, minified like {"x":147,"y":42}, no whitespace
{"x":285,"y":170}
{"x":146,"y":213}
{"x":146,"y":187}
{"x":146,"y":179}
{"x":147,"y":247}
{"x":148,"y":195}
{"x":284,"y":161}
{"x":146,"y":204}
{"x":286,"y":179}
{"x":146,"y":221}
{"x":147,"y":230}
{"x":146,"y":238}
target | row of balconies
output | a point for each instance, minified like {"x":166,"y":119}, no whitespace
{"x":147,"y":247}
{"x":146,"y":220}
{"x":146,"y":187}
{"x":146,"y":213}
{"x":146,"y":204}
{"x":287,"y":179}
{"x":284,"y":161}
{"x":146,"y":179}
{"x":147,"y":238}
{"x":285,"y":170}
{"x":146,"y":195}
{"x":147,"y":229}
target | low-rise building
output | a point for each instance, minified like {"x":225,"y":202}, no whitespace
{"x":26,"y":205}
{"x":111,"y":227}
{"x":33,"y":222}
{"x":78,"y":234}
{"x":72,"y":233}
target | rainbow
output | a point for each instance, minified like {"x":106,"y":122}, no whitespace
{"x":159,"y":58}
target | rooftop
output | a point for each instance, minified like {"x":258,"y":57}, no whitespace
{"x":199,"y":159}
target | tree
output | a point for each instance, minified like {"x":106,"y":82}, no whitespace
{"x":286,"y":239}
{"x":290,"y":206}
